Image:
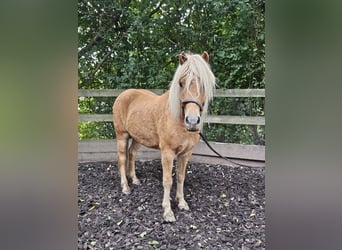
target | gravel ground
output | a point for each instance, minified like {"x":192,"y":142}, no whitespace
{"x":227,"y":208}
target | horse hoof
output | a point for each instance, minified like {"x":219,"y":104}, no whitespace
{"x":126,"y":190}
{"x":169,"y":217}
{"x":136,"y":181}
{"x":183,"y":206}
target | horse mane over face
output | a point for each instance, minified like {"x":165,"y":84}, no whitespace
{"x":192,"y":67}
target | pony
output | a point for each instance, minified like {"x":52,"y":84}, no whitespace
{"x":170,"y":122}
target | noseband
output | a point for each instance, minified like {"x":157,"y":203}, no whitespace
{"x":191,"y":100}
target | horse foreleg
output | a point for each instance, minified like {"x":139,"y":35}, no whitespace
{"x":132,"y":152}
{"x":182,"y":161}
{"x":167,"y":162}
{"x":122,"y":145}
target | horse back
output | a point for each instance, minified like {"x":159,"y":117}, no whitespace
{"x":135,"y":100}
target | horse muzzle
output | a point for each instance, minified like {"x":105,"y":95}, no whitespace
{"x":192,"y":118}
{"x":192,"y":123}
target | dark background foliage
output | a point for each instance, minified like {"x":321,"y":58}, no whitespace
{"x":135,"y":44}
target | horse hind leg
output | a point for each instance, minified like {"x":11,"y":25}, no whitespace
{"x":122,"y":146}
{"x":132,"y":153}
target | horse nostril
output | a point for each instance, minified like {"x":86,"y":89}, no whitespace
{"x":192,"y":120}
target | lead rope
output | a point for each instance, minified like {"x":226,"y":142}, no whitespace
{"x":223,"y":157}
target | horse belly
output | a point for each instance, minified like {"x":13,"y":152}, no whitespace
{"x":143,"y":131}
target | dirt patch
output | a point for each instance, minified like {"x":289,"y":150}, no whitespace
{"x":227,"y":208}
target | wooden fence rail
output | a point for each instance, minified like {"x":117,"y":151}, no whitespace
{"x":221,"y":119}
{"x":106,"y":150}
{"x":218,"y":92}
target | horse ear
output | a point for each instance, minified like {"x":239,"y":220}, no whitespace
{"x":205,"y":56}
{"x":182,"y":58}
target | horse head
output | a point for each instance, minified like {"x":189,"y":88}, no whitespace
{"x":192,"y":89}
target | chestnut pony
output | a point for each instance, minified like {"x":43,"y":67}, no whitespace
{"x":170,"y":122}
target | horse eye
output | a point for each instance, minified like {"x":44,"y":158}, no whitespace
{"x":180,"y":84}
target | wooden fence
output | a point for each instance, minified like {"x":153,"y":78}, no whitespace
{"x":94,"y":150}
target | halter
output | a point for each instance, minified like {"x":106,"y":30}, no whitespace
{"x":191,"y":100}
